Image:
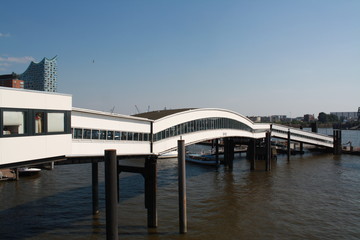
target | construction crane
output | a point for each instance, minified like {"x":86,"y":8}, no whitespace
{"x":137,"y":109}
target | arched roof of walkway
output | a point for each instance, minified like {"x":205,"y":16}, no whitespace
{"x":199,"y":124}
{"x":155,"y":115}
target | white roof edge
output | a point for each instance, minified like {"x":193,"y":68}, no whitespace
{"x":35,"y":91}
{"x":206,"y":109}
{"x":84,"y":110}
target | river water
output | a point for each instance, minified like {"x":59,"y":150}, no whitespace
{"x":314,"y":196}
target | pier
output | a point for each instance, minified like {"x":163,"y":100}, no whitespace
{"x":67,"y":135}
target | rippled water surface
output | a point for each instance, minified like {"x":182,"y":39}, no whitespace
{"x":314,"y":196}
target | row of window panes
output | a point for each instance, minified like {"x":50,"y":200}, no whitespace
{"x":16,"y":122}
{"x":80,"y":133}
{"x":200,"y":125}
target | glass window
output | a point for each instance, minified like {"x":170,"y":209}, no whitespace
{"x":136,"y":136}
{"x":158,"y":136}
{"x":123,"y":135}
{"x":14,"y":122}
{"x":95,"y":134}
{"x":56,"y":122}
{"x":130,"y":136}
{"x":87,"y":134}
{"x":102,"y":134}
{"x":117,"y":136}
{"x":110,"y":135}
{"x":78,"y":133}
{"x":146,"y":137}
{"x":39,"y":122}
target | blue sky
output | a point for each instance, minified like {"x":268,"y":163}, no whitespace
{"x":255,"y":57}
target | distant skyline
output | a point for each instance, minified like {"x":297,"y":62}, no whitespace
{"x":257,"y":58}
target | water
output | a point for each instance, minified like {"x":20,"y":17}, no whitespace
{"x":315,"y":196}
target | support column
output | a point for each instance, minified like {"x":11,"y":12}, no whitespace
{"x":268,"y":151}
{"x":150,"y":190}
{"x":182,"y":186}
{"x":301,"y":144}
{"x":228,"y":152}
{"x":111,"y":195}
{"x":252,"y":155}
{"x":217,"y":151}
{"x":301,"y":148}
{"x":288,"y":146}
{"x":17,"y":177}
{"x":231,"y":153}
{"x":118,"y":182}
{"x":337,"y":142}
{"x":314,"y":127}
{"x":95,"y":187}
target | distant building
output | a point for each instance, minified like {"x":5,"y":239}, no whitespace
{"x":277,"y":118}
{"x":346,"y":116}
{"x":11,"y":80}
{"x":309,"y":117}
{"x":255,"y":118}
{"x":273,"y":118}
{"x":41,"y":76}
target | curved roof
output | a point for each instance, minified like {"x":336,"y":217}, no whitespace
{"x":155,"y":115}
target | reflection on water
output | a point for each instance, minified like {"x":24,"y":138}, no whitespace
{"x":312,"y":197}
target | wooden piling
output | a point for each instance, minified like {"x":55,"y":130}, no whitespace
{"x":111,"y":195}
{"x":301,"y":144}
{"x":17,"y":177}
{"x":314,"y":127}
{"x":231,"y":153}
{"x":337,"y":142}
{"x":288,"y":145}
{"x":118,"y":181}
{"x":268,"y":151}
{"x":182,"y":187}
{"x":150,"y":191}
{"x":252,"y":148}
{"x":228,"y":152}
{"x":217,"y":151}
{"x":95,"y":188}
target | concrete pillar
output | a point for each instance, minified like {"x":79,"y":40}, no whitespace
{"x":17,"y":177}
{"x":150,"y":190}
{"x":288,"y":145}
{"x":111,"y":195}
{"x":314,"y":127}
{"x":217,"y":151}
{"x":337,"y":142}
{"x":301,"y":144}
{"x":95,"y":188}
{"x":252,"y":154}
{"x":268,"y":151}
{"x":231,"y":153}
{"x":118,"y":182}
{"x":228,"y":152}
{"x":51,"y":165}
{"x":182,"y":187}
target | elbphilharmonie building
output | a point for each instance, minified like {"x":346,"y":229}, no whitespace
{"x":41,"y":76}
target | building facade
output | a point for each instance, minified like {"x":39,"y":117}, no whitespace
{"x":309,"y":117}
{"x":11,"y":80}
{"x":41,"y":76}
{"x":346,"y":116}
